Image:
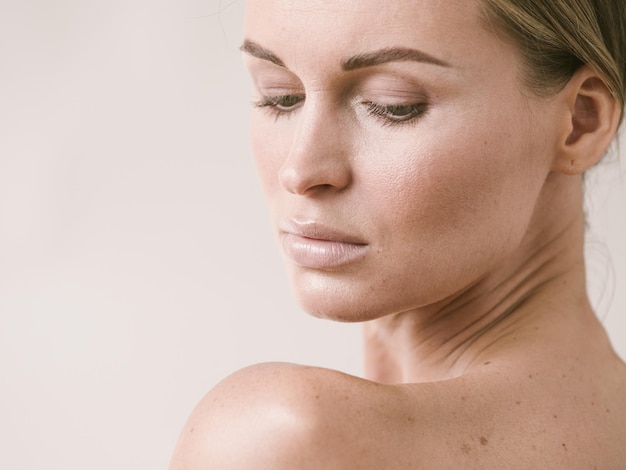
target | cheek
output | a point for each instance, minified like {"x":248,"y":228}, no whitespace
{"x":460,"y":196}
{"x":438,"y":185}
{"x":269,"y":148}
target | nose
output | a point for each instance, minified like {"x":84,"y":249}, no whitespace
{"x":318,"y":159}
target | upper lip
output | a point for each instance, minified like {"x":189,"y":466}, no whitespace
{"x":319,"y":231}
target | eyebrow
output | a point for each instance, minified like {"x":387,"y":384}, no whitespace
{"x":368,"y":59}
{"x":255,"y":50}
{"x":391,"y":54}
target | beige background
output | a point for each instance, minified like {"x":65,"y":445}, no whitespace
{"x":137,"y":267}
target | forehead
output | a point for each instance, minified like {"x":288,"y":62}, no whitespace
{"x":305,"y":28}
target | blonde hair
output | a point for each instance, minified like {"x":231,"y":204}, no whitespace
{"x":557,"y":37}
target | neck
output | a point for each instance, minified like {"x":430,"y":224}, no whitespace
{"x":532,"y":290}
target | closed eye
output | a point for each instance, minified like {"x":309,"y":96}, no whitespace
{"x":396,"y":114}
{"x":279,"y":105}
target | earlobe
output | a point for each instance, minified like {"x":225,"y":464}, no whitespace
{"x":590,"y":124}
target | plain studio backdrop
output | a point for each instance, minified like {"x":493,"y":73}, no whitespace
{"x":137,"y":265}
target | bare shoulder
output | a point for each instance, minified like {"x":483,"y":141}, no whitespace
{"x":284,"y":416}
{"x":275,"y":416}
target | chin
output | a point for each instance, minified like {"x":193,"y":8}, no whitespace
{"x":346,"y":300}
{"x":351,"y":297}
{"x":337,"y":311}
{"x":334,"y":300}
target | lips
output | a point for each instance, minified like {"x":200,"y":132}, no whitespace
{"x":317,"y":246}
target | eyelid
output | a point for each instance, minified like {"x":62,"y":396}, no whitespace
{"x":275,"y":81}
{"x":275,"y":101}
{"x":399,"y":106}
{"x":389,"y":115}
{"x":393,"y":88}
{"x":275,"y":91}
{"x":393,"y":97}
{"x":272,"y":105}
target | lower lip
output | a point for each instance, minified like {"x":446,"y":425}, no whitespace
{"x":321,"y":254}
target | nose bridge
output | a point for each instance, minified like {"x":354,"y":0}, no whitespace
{"x":318,"y":155}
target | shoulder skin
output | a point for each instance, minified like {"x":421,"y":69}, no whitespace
{"x":283,"y":416}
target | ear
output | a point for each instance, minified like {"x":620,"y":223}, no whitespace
{"x":590,"y":123}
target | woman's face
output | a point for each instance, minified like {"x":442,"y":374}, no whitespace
{"x":400,"y":154}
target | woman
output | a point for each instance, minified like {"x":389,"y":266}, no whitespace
{"x":423,"y":162}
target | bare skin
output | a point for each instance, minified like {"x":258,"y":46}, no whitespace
{"x":438,"y":201}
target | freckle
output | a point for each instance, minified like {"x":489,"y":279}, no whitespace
{"x":463,"y":398}
{"x":191,"y":430}
{"x":317,"y":397}
{"x":484,"y":441}
{"x":608,"y":411}
{"x":518,"y":402}
{"x":564,"y":447}
{"x":564,"y":376}
{"x":555,"y":416}
{"x":530,"y":376}
{"x":593,"y":403}
{"x":487,"y":363}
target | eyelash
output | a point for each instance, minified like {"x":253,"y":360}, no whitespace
{"x":395,"y":114}
{"x":278,"y":106}
{"x":390,"y":114}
